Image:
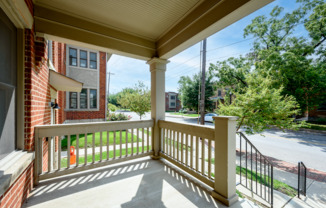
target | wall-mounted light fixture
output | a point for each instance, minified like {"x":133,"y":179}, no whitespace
{"x":55,"y":106}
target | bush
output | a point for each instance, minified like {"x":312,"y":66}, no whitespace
{"x":118,"y":117}
{"x":183,"y":110}
{"x":112,"y":107}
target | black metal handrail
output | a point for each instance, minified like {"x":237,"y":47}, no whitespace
{"x":259,"y":171}
{"x":302,"y":179}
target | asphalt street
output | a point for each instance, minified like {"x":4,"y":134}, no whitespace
{"x":289,"y":146}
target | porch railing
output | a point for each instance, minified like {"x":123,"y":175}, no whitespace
{"x":95,"y":144}
{"x":190,"y":147}
{"x":256,"y":171}
{"x":302,"y":179}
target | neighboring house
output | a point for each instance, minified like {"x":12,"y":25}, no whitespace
{"x":318,"y":112}
{"x":172,"y":101}
{"x":88,"y":67}
{"x":220,"y":96}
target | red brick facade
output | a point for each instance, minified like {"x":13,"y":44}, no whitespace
{"x":167,"y":102}
{"x":36,"y":107}
{"x":19,"y":190}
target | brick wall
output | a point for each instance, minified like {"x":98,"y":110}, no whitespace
{"x":100,"y":114}
{"x":19,"y":190}
{"x":37,"y":110}
{"x":59,"y":56}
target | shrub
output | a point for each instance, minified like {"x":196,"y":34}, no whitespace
{"x":118,"y":117}
{"x":112,"y":107}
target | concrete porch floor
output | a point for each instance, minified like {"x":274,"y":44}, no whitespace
{"x":137,"y":183}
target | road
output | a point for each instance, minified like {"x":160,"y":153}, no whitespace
{"x":285,"y":146}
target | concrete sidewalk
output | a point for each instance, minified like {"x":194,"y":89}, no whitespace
{"x":287,"y":173}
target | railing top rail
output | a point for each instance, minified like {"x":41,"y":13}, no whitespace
{"x":192,"y":129}
{"x":81,"y":128}
{"x":265,"y":158}
{"x":303,"y":164}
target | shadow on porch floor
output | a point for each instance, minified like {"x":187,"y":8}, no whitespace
{"x":138,"y":183}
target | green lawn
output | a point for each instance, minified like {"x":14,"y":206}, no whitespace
{"x":315,"y":126}
{"x":104,"y":155}
{"x":183,"y":114}
{"x":277,"y":185}
{"x":97,"y":139}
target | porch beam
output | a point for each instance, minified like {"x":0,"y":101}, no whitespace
{"x":56,"y":23}
{"x":207,"y":19}
{"x":157,"y":69}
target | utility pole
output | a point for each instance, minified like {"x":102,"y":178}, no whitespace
{"x":203,"y":78}
{"x":107,"y":96}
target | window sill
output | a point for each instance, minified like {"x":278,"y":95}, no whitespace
{"x":12,"y":166}
{"x":81,"y":110}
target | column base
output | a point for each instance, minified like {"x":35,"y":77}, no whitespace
{"x":154,"y":157}
{"x":226,"y":201}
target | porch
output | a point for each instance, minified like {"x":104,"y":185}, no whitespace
{"x":138,"y":183}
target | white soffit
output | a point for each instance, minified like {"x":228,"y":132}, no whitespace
{"x":144,"y":18}
{"x":64,"y":83}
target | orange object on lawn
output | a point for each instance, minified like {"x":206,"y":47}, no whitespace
{"x":72,"y":155}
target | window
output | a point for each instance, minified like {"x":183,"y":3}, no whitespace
{"x":322,"y":107}
{"x":83,"y":99}
{"x":172,"y":97}
{"x":93,"y":60}
{"x":8,"y":86}
{"x":172,"y":104}
{"x":83,"y":59}
{"x":93,"y":98}
{"x":219,"y":93}
{"x":72,"y":57}
{"x":73,"y":100}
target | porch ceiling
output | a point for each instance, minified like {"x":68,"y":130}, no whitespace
{"x":139,"y":28}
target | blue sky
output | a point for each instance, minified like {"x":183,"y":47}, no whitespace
{"x":226,"y":43}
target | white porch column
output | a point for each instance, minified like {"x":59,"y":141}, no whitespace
{"x":225,"y":160}
{"x":157,"y":69}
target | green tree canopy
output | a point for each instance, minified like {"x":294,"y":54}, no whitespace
{"x":261,"y":106}
{"x":293,"y":62}
{"x":137,"y":99}
{"x":189,"y":91}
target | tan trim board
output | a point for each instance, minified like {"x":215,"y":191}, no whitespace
{"x":18,"y":13}
{"x":186,"y":34}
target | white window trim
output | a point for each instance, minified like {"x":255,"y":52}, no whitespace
{"x":87,"y":69}
{"x":173,"y":100}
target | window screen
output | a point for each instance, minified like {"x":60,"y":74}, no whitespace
{"x":83,"y":59}
{"x":93,"y":60}
{"x":73,"y":100}
{"x":72,"y":57}
{"x":93,"y":98}
{"x":83,"y":99}
{"x":8,"y":74}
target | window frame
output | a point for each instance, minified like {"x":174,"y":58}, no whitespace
{"x":85,"y":59}
{"x":71,"y":98}
{"x":70,"y":58}
{"x":90,"y":60}
{"x":90,"y":101}
{"x":86,"y":99}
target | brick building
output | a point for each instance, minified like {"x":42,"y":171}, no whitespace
{"x":88,"y":67}
{"x":172,"y":101}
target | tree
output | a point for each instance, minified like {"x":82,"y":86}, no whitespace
{"x":138,"y":99}
{"x":261,"y":106}
{"x":292,"y":62}
{"x":189,"y":91}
